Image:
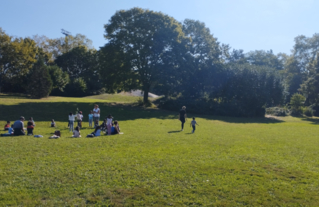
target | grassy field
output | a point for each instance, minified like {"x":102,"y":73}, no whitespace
{"x":226,"y":162}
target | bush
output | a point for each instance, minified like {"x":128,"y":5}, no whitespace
{"x":277,"y":111}
{"x":296,"y":102}
{"x":308,"y":111}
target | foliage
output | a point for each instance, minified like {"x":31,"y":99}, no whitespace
{"x":59,"y":78}
{"x":146,"y":42}
{"x":310,"y":87}
{"x":17,"y":56}
{"x":308,"y":111}
{"x":76,"y":88}
{"x":39,"y":81}
{"x":297,"y":102}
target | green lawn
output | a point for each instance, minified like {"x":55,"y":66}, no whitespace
{"x":226,"y":162}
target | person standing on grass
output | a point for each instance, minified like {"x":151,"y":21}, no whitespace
{"x":96,"y":115}
{"x":79,"y":118}
{"x":90,"y":118}
{"x":18,"y":127}
{"x":71,"y":121}
{"x":183,"y":116}
{"x":193,"y":123}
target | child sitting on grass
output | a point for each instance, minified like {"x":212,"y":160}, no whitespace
{"x":52,"y":123}
{"x":76,"y":132}
{"x":115,"y":128}
{"x":193,"y":123}
{"x":7,"y":126}
{"x":10,"y":131}
{"x":30,"y":126}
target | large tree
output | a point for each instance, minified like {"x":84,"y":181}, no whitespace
{"x":145,"y":39}
{"x":202,"y":59}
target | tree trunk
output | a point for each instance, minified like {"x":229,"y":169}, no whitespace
{"x":145,"y":99}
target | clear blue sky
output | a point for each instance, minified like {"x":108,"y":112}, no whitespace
{"x":243,"y":24}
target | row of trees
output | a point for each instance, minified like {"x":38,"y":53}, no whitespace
{"x":153,"y":52}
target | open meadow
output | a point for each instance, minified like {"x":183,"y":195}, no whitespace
{"x":226,"y":162}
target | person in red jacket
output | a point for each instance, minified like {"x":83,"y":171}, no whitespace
{"x":7,"y":126}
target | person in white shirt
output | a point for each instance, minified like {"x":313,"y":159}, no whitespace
{"x":71,"y":121}
{"x":79,"y":118}
{"x":96,"y":115}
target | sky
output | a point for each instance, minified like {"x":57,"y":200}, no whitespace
{"x":243,"y":24}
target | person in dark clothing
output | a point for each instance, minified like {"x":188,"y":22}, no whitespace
{"x":30,"y":126}
{"x":18,"y":127}
{"x":183,"y":116}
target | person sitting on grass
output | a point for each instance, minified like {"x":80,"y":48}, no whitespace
{"x":96,"y":133}
{"x":10,"y":130}
{"x":109,"y":124}
{"x":76,"y":132}
{"x":103,"y":125}
{"x":115,"y":128}
{"x":30,"y":126}
{"x":18,"y":127}
{"x":52,"y":123}
{"x":7,"y":126}
{"x":9,"y":133}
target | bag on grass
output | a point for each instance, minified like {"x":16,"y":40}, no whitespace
{"x":54,"y":137}
{"x":38,"y":136}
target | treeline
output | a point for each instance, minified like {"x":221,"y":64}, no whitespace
{"x":155,"y":53}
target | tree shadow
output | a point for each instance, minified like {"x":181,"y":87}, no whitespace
{"x":59,"y":111}
{"x":312,"y":120}
{"x":14,"y":96}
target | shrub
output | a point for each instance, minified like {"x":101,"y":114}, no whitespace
{"x":277,"y":111}
{"x":296,"y":103}
{"x":308,"y":111}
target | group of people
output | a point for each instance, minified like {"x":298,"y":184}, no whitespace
{"x":108,"y":126}
{"x":17,"y":128}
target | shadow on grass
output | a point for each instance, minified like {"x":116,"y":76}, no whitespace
{"x":312,"y":120}
{"x":174,"y":131}
{"x":59,"y":111}
{"x":14,"y":96}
